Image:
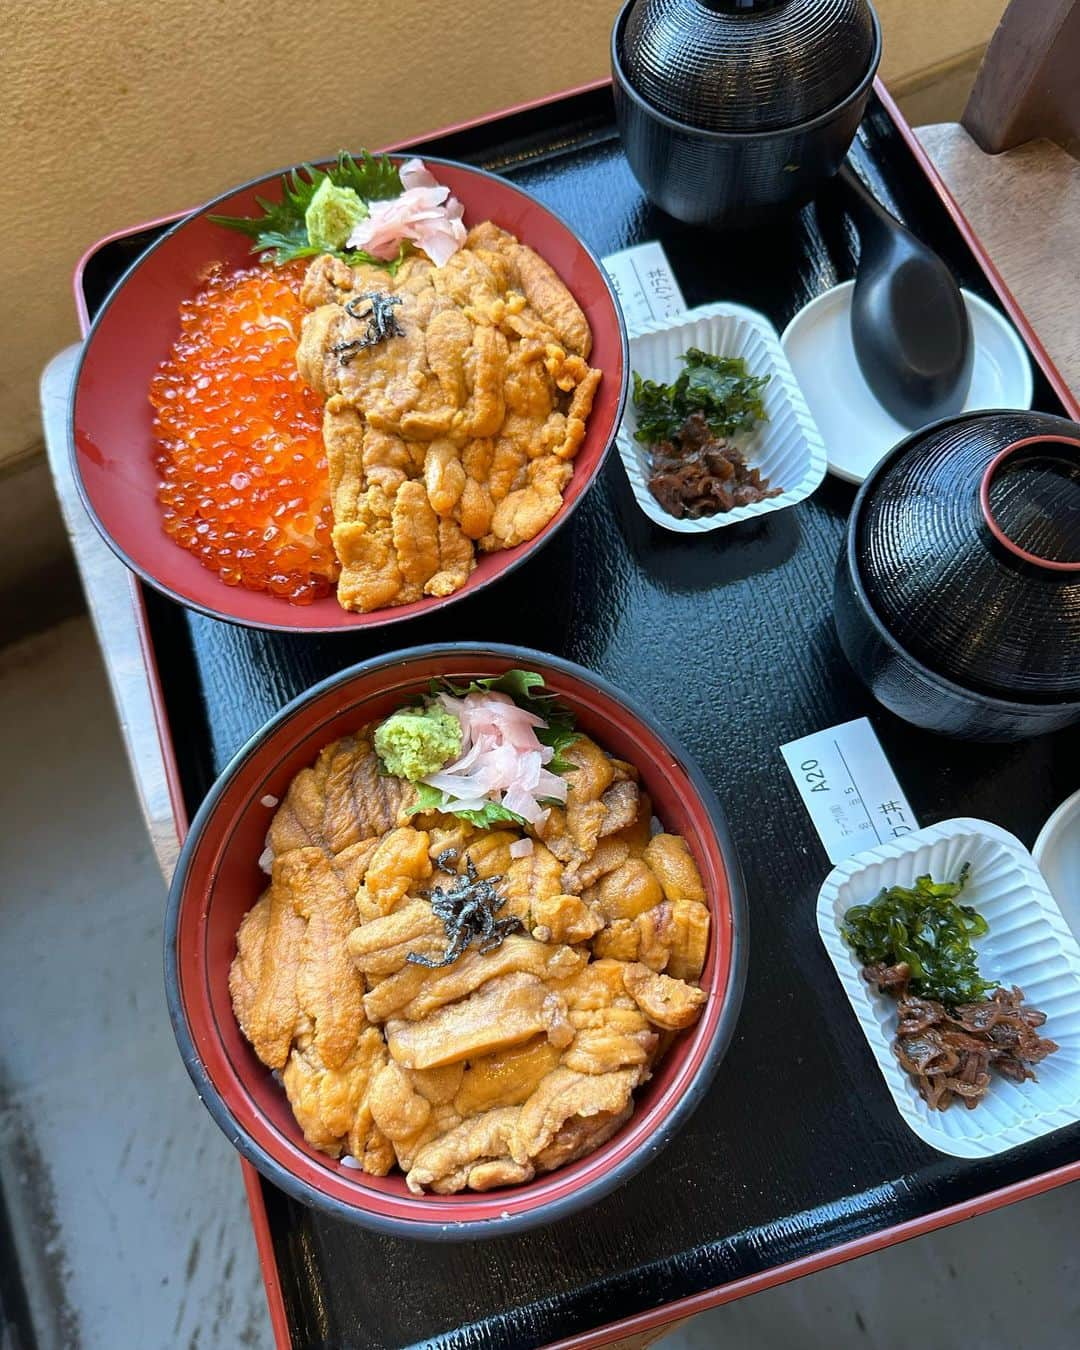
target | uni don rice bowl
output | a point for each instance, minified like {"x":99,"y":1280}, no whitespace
{"x":369,"y":387}
{"x":475,"y":946}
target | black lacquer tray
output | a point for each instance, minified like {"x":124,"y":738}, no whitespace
{"x":797,"y":1157}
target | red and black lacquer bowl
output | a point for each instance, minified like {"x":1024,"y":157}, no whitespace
{"x":112,"y":437}
{"x":218,"y":879}
{"x":957,"y":596}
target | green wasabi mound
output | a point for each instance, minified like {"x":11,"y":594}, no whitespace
{"x":332,"y":214}
{"x":418,"y":741}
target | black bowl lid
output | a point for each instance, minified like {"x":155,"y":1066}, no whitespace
{"x":968,"y":546}
{"x":747,"y":65}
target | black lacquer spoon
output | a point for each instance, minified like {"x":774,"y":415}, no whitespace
{"x":909,"y":325}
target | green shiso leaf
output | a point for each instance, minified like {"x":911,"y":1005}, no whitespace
{"x":721,"y":388}
{"x":519,"y":684}
{"x":280,"y":232}
{"x":492,"y":814}
{"x":374,"y":178}
{"x":429,"y":798}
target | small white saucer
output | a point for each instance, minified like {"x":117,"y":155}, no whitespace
{"x":855,"y":427}
{"x":1057,"y":852}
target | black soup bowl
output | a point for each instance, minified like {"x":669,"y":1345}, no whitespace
{"x":732,"y":112}
{"x":957,"y":596}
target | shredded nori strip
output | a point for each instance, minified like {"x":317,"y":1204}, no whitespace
{"x":382,"y":324}
{"x":468,"y":911}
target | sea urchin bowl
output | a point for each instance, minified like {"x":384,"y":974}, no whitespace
{"x":218,"y":879}
{"x":112,"y":420}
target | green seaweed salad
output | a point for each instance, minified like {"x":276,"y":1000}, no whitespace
{"x":721,"y":388}
{"x":924,"y":927}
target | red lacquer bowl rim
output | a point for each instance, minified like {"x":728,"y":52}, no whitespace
{"x":990,"y":473}
{"x":683,"y":1078}
{"x":293,"y":617}
{"x":849,"y":558}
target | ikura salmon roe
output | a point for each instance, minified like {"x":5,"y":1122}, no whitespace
{"x":243,"y":479}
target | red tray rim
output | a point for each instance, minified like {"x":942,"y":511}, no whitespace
{"x":666,"y":1313}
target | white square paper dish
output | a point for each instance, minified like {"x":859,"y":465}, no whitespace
{"x":1029,"y":944}
{"x":788,"y":448}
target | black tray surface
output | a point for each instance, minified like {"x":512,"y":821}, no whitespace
{"x":729,"y":636}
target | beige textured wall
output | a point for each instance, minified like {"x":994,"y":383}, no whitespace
{"x":921,"y":34}
{"x":119,"y":110}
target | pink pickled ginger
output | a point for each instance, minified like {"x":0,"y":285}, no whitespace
{"x":502,"y":760}
{"x":425,"y":213}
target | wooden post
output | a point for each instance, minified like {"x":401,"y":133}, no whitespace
{"x":1028,"y":85}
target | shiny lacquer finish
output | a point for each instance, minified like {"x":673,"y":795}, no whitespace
{"x":1065,"y":450}
{"x":747,"y":65}
{"x":958,"y":589}
{"x":112,"y":443}
{"x":218,"y":879}
{"x":910,"y":330}
{"x":796,"y":1157}
{"x":701,"y":164}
